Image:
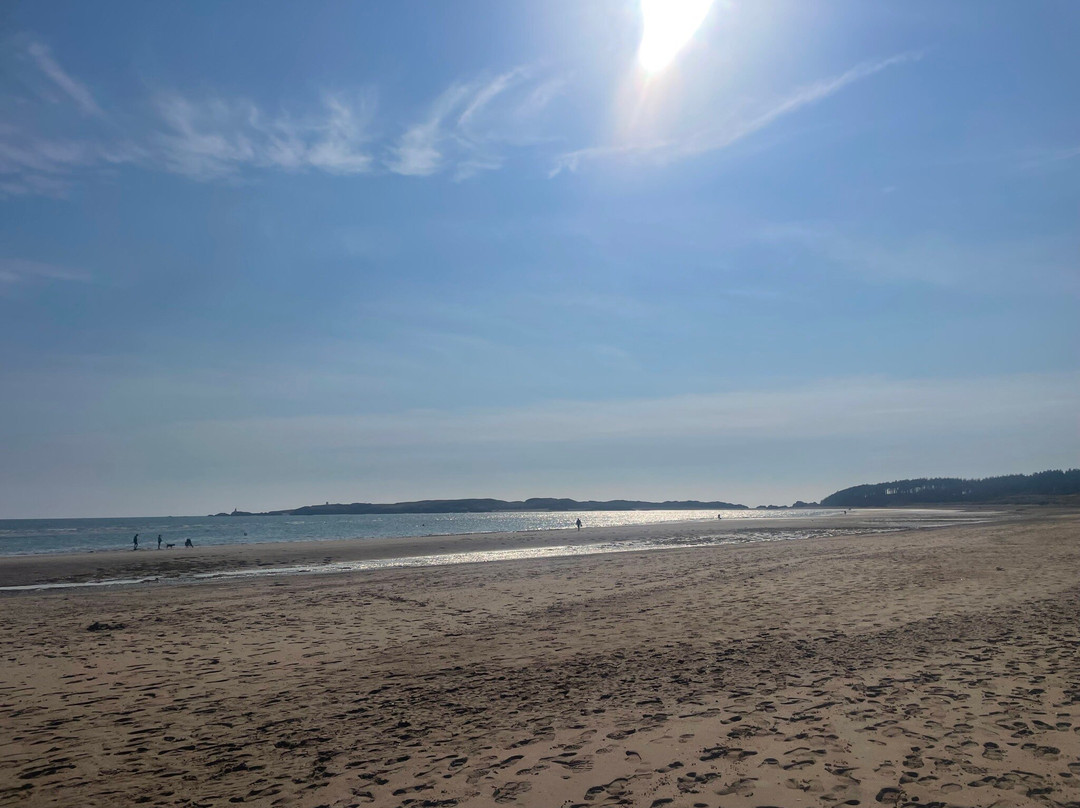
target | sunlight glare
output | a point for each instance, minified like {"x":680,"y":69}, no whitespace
{"x":668,"y":25}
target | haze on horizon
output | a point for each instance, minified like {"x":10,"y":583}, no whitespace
{"x":263,"y":255}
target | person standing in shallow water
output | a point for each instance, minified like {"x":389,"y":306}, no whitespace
{"x":579,"y":524}
{"x":135,"y":542}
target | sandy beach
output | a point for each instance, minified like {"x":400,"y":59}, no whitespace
{"x":924,"y":667}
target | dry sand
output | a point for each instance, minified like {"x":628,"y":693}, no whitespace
{"x":929,"y":667}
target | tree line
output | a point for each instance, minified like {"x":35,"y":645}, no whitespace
{"x":937,"y":490}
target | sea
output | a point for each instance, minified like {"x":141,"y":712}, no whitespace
{"x":32,"y":536}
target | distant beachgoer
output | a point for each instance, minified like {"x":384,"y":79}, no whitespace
{"x":135,"y":542}
{"x":159,"y":541}
{"x":187,"y":543}
{"x":579,"y":524}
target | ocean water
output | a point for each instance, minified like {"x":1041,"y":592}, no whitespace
{"x":29,"y":536}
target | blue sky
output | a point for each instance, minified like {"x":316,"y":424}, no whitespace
{"x":262,"y":254}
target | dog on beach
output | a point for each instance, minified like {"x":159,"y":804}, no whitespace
{"x":167,"y":545}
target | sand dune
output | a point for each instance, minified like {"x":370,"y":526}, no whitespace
{"x":932,"y":667}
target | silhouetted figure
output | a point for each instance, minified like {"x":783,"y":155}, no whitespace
{"x":135,"y":542}
{"x":159,"y":541}
{"x":187,"y":543}
{"x":579,"y":524}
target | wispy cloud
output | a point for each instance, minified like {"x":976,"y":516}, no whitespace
{"x":1042,"y":158}
{"x":75,"y":90}
{"x":34,"y":185}
{"x":470,"y":123}
{"x":833,"y":408}
{"x":466,"y":130}
{"x":486,"y":94}
{"x":201,"y":138}
{"x":215,"y":138}
{"x":45,"y":156}
{"x":731,"y":129}
{"x":938,"y":258}
{"x":420,"y":150}
{"x":472,"y":126}
{"x":37,"y":160}
{"x":542,"y":95}
{"x":19,"y":271}
{"x":40,"y":166}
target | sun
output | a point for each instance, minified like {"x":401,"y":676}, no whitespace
{"x":668,"y":24}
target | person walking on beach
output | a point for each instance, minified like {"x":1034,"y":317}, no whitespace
{"x":187,"y":543}
{"x":159,"y":541}
{"x":579,"y":524}
{"x":135,"y":542}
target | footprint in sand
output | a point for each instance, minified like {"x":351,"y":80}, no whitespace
{"x":727,"y":752}
{"x":889,"y":796}
{"x":1045,"y":752}
{"x":743,"y":787}
{"x":509,"y":792}
{"x":914,"y":761}
{"x":576,"y":764}
{"x":809,"y":786}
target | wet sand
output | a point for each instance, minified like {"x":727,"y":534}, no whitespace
{"x":179,"y":562}
{"x":909,"y":668}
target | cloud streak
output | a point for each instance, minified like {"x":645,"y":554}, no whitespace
{"x":936,"y":258}
{"x":731,"y":130}
{"x":75,"y":90}
{"x":419,"y":153}
{"x":218,"y":138}
{"x":1048,"y":157}
{"x":469,"y":125}
{"x":835,"y":408}
{"x":17,"y":271}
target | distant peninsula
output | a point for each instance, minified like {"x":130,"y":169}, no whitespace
{"x":1038,"y":489}
{"x":495,"y":506}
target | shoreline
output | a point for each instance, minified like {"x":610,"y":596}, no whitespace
{"x":128,"y":567}
{"x":140,"y":526}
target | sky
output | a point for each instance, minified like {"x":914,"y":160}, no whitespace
{"x":265,"y":254}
